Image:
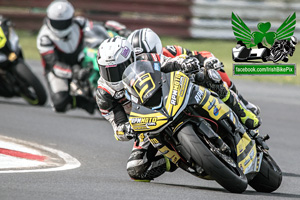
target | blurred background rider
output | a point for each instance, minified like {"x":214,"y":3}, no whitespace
{"x":60,"y":42}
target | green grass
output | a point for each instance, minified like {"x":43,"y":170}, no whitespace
{"x":28,"y":43}
{"x":221,"y":49}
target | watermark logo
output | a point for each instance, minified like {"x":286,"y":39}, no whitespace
{"x":263,"y":35}
{"x":264,"y":69}
{"x":271,"y":46}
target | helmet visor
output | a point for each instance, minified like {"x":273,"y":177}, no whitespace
{"x":113,"y":73}
{"x":60,"y":24}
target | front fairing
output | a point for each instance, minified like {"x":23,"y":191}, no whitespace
{"x":94,"y":35}
{"x":175,"y":92}
{"x":90,"y":61}
{"x":145,"y":119}
{"x":179,"y":86}
{"x":9,"y":45}
{"x":90,"y":58}
{"x":3,"y":58}
{"x":14,"y":40}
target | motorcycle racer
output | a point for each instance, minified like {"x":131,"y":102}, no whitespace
{"x":114,"y":55}
{"x":281,"y":49}
{"x":145,"y":40}
{"x":60,"y":42}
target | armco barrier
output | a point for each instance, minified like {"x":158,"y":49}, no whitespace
{"x":166,"y":17}
{"x":183,"y":18}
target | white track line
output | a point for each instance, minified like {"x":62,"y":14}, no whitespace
{"x":24,"y":146}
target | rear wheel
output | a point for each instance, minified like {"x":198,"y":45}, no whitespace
{"x":277,"y":56}
{"x":31,"y":89}
{"x":228,"y":176}
{"x":269,"y":177}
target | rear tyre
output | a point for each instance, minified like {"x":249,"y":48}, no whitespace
{"x":277,"y":56}
{"x":31,"y":89}
{"x":269,"y":177}
{"x":231,"y":178}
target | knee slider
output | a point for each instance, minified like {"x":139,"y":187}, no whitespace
{"x":137,"y":172}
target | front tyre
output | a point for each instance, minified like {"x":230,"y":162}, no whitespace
{"x":31,"y":89}
{"x":231,"y":178}
{"x":277,"y":56}
{"x":269,"y":177}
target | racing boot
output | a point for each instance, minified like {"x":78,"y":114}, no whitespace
{"x":248,"y":118}
{"x":170,"y":166}
{"x":250,"y":106}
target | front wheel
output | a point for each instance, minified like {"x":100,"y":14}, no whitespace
{"x":268,"y":178}
{"x":231,"y":178}
{"x":31,"y":89}
{"x":277,"y":56}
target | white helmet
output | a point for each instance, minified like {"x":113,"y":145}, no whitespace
{"x":59,"y":17}
{"x":114,"y":55}
{"x":293,"y":41}
{"x":145,"y":41}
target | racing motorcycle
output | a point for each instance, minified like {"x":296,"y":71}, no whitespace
{"x":16,"y":78}
{"x":186,"y":123}
{"x":281,"y":49}
{"x":85,"y":77}
{"x":90,"y":63}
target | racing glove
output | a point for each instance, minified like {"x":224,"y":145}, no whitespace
{"x":190,"y":64}
{"x":213,"y":63}
{"x":212,"y":80}
{"x":124,"y":132}
{"x":83,"y":74}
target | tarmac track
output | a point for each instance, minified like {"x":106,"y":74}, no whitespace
{"x":102,"y":174}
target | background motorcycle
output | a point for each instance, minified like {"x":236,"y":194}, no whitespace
{"x":185,"y":121}
{"x":16,"y":78}
{"x":85,"y":80}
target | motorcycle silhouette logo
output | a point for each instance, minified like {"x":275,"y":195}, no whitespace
{"x":262,"y":39}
